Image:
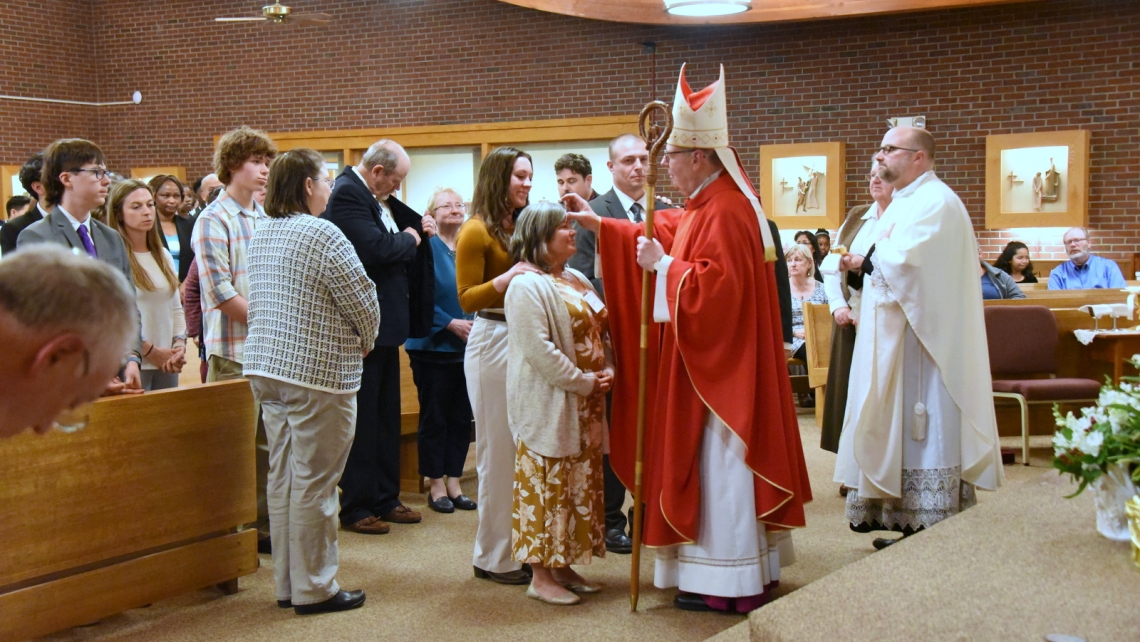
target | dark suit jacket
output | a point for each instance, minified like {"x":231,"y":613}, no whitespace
{"x":404,"y":274}
{"x":783,"y":284}
{"x":11,"y":230}
{"x":606,"y":205}
{"x":109,"y":246}
{"x":185,"y":227}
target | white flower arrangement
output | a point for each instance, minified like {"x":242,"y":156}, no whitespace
{"x":1102,"y":436}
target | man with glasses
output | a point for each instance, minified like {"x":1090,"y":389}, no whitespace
{"x":388,"y":237}
{"x":65,"y":324}
{"x":75,"y":182}
{"x":1084,"y":270}
{"x":724,"y":470}
{"x":919,"y":433}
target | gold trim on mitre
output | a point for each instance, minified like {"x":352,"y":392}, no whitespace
{"x":706,"y":127}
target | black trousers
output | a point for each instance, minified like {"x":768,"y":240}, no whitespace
{"x":613,"y":489}
{"x":371,"y":480}
{"x":445,"y":417}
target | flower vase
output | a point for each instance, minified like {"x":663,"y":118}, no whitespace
{"x":1111,"y":491}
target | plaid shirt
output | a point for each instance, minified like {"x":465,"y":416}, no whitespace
{"x":221,"y":242}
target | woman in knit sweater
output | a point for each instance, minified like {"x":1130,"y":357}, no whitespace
{"x":313,"y":314}
{"x":483,"y":270}
{"x":559,"y":367}
{"x":130,"y":209}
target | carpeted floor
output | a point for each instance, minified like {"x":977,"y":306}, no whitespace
{"x":420,"y":586}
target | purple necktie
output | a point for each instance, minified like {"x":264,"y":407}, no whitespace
{"x":86,"y":238}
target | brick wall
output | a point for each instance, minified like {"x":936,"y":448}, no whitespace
{"x":48,"y":51}
{"x":1050,"y":65}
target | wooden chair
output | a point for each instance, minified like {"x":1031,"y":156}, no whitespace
{"x":1022,"y":343}
{"x":817,"y":337}
{"x":141,"y":505}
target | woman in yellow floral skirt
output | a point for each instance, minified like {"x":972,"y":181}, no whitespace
{"x":559,"y":368}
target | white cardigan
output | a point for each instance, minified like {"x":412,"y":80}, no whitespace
{"x":543,"y":380}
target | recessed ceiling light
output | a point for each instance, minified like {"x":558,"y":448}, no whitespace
{"x":706,"y":8}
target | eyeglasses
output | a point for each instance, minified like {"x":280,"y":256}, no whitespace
{"x":667,"y":156}
{"x":77,"y":418}
{"x":448,"y":207}
{"x":97,"y":172}
{"x":890,"y":149}
{"x":326,"y":181}
{"x":1076,"y":241}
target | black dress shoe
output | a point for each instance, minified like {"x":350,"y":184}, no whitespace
{"x":463,"y":502}
{"x":265,"y":546}
{"x":618,"y":542}
{"x":510,"y":577}
{"x":440,"y":505}
{"x":342,"y":601}
{"x":691,"y":602}
{"x":284,"y":604}
{"x":882,"y":542}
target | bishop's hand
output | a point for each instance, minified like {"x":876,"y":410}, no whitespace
{"x":580,"y":212}
{"x":648,"y":253}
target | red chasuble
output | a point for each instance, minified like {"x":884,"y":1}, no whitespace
{"x":722,"y":353}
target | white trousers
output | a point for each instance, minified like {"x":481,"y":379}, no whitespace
{"x":734,"y":555}
{"x":485,"y":365}
{"x":309,"y":433}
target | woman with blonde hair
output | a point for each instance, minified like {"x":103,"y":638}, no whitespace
{"x":805,"y":290}
{"x":444,"y":435}
{"x":559,"y":369}
{"x":483,"y":270}
{"x":130,"y":210}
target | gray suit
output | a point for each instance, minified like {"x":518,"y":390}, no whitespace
{"x":109,"y":246}
{"x":606,"y":205}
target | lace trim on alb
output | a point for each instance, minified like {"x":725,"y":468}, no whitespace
{"x":929,"y":495}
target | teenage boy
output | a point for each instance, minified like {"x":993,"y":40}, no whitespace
{"x":221,"y":243}
{"x":75,"y":181}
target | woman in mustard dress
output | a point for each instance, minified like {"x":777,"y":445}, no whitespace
{"x":559,"y":369}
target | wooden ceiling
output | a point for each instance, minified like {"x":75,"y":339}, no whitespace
{"x":653,"y":11}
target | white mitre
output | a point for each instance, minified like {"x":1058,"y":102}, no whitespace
{"x":700,"y":120}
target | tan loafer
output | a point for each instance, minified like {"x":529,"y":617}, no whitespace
{"x":561,"y":600}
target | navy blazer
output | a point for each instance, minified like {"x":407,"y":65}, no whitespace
{"x":403,"y":272}
{"x":11,"y":230}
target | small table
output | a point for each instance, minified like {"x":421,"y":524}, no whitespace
{"x":1113,"y":347}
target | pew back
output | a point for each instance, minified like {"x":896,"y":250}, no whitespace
{"x":144,"y":499}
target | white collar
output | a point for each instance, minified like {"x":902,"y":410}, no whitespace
{"x":75,"y":223}
{"x":627,"y":200}
{"x":914,"y":185}
{"x":712,"y":177}
{"x":873,"y":213}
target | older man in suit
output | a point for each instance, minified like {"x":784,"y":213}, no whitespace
{"x":388,"y":237}
{"x":75,"y":182}
{"x":30,"y":180}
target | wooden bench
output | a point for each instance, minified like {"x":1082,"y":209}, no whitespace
{"x":141,"y":505}
{"x":817,"y":338}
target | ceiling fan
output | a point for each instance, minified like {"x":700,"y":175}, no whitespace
{"x":281,"y":14}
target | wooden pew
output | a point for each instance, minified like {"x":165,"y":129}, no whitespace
{"x":817,"y":337}
{"x":141,"y":505}
{"x":410,"y":479}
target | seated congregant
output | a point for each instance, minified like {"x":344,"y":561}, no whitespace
{"x":1084,"y":270}
{"x":806,"y":238}
{"x":995,"y":283}
{"x":1015,"y":262}
{"x":805,"y":289}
